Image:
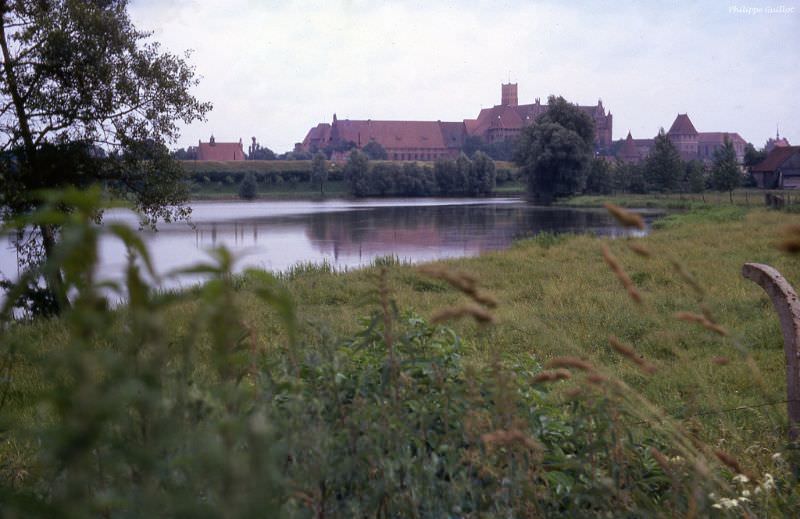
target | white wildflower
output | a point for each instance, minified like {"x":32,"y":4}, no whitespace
{"x":728,"y":503}
{"x":777,"y":456}
{"x":745,"y":493}
{"x":741,"y":478}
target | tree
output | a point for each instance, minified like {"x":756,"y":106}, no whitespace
{"x":695,"y":177}
{"x":482,"y":175}
{"x":629,"y":177}
{"x":554,"y":152}
{"x":76,"y":77}
{"x":599,"y":181}
{"x":374,"y":151}
{"x":356,"y":172}
{"x":663,"y":168}
{"x":725,"y":173}
{"x":248,"y":189}
{"x":319,"y":171}
{"x":752,"y":156}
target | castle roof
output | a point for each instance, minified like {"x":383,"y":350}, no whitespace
{"x":776,"y":158}
{"x":719,"y":138}
{"x":682,"y":126}
{"x":318,"y":134}
{"x":220,"y":151}
{"x":400,"y":134}
{"x":628,"y":149}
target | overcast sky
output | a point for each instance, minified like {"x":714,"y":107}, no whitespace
{"x":275,"y":69}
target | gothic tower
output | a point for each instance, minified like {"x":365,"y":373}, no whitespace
{"x":509,"y":94}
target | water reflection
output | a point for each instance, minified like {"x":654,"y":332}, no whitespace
{"x":277,"y":235}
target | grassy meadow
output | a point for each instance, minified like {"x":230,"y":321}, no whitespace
{"x":557,"y":297}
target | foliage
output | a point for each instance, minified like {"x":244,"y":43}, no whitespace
{"x":600,"y":180}
{"x":725,"y":173}
{"x":502,"y":149}
{"x":319,"y":171}
{"x":752,"y":156}
{"x":87,"y":98}
{"x":554,"y":153}
{"x":663,"y":168}
{"x":482,"y":175}
{"x":695,"y":176}
{"x":248,"y":189}
{"x":375,"y":151}
{"x":356,"y":172}
{"x":629,"y":177}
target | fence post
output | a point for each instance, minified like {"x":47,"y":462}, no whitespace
{"x":786,"y":304}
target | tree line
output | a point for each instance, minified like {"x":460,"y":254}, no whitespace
{"x":448,"y":177}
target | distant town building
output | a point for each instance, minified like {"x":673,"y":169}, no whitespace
{"x":780,"y":170}
{"x":221,"y":151}
{"x":691,"y":144}
{"x":777,"y":142}
{"x":431,"y":140}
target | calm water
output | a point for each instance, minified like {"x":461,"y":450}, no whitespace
{"x":346,"y":234}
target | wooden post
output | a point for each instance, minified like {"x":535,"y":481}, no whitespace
{"x":784,"y":299}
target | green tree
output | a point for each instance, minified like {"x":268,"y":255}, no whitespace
{"x":319,"y":171}
{"x":752,"y":156}
{"x":554,"y":153}
{"x":374,"y":151}
{"x":663,"y":168}
{"x":725,"y":173}
{"x":599,"y":180}
{"x":695,"y":176}
{"x":248,"y":188}
{"x":356,"y":172}
{"x":87,"y":98}
{"x":483,"y":175}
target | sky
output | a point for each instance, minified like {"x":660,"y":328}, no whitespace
{"x":274,"y":69}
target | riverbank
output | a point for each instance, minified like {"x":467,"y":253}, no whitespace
{"x":741,"y":197}
{"x":557,"y":297}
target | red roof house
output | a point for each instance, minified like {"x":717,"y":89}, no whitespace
{"x":220,"y":151}
{"x":781,"y":169}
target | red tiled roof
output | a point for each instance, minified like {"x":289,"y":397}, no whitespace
{"x":317,"y":135}
{"x":775,"y":158}
{"x":397,"y":134}
{"x":220,"y":151}
{"x":719,"y":138}
{"x":682,"y":126}
{"x":510,"y":117}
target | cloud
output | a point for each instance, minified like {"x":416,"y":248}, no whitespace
{"x":274,"y":69}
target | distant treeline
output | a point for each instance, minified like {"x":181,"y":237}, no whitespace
{"x":448,"y":177}
{"x":454,"y":177}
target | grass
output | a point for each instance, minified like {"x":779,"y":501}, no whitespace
{"x":557,"y":297}
{"x":741,"y":197}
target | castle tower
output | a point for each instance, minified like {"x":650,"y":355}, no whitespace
{"x":508,"y":95}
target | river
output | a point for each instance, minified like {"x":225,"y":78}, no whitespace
{"x":276,"y":235}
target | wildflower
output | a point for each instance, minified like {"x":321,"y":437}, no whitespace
{"x":741,"y":478}
{"x":777,"y":456}
{"x":745,"y":493}
{"x":726,"y":503}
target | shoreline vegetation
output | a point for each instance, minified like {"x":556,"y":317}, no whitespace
{"x":556,"y":299}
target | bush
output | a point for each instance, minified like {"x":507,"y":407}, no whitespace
{"x":248,"y":189}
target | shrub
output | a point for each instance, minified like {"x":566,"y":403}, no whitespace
{"x":248,"y":189}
